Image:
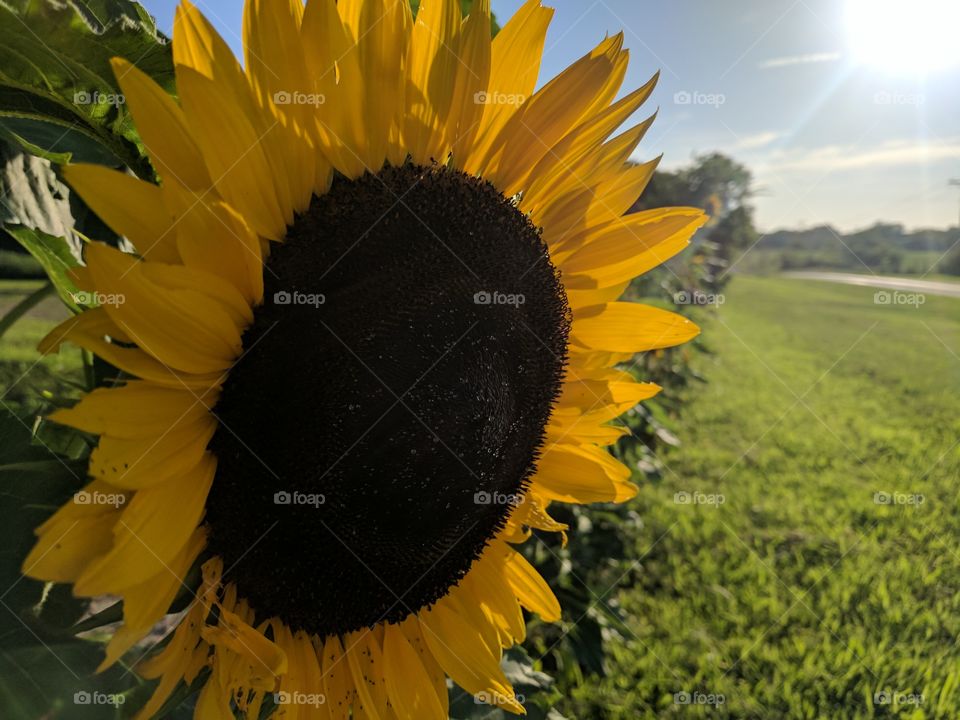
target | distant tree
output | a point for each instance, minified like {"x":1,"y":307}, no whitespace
{"x":714,"y":182}
{"x":950,"y":265}
{"x":734,"y":233}
{"x":722,"y":187}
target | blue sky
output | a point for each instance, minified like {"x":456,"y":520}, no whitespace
{"x":835,"y":124}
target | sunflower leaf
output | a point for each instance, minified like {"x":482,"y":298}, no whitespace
{"x":58,"y":95}
{"x":33,"y":484}
{"x":32,"y":194}
{"x":57,"y":680}
{"x":55,"y":256}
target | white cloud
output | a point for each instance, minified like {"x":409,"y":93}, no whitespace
{"x":759,"y":140}
{"x":789,"y":60}
{"x":895,"y":153}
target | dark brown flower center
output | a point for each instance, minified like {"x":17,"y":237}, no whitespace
{"x":391,"y":400}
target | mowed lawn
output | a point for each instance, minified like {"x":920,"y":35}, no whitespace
{"x":825,"y":582}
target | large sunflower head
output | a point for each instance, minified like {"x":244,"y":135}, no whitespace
{"x":368,"y":336}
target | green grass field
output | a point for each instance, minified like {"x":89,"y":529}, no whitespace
{"x":800,"y":593}
{"x":23,"y":373}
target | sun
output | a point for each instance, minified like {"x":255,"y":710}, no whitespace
{"x":916,"y":37}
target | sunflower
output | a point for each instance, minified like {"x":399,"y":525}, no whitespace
{"x":368,"y":336}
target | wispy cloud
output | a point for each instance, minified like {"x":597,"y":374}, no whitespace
{"x":757,"y":141}
{"x":808,"y":59}
{"x":895,"y":153}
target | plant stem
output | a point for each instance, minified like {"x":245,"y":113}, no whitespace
{"x":24,"y":306}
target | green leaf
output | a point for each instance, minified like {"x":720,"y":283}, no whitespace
{"x":57,"y":680}
{"x":61,"y":440}
{"x":31,"y":192}
{"x":33,"y":484}
{"x":57,"y":89}
{"x":55,"y":256}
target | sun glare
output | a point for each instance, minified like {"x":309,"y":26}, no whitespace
{"x":905,"y":37}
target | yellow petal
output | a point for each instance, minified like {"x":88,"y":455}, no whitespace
{"x":182,"y":328}
{"x":486,"y":581}
{"x":145,"y":604}
{"x":615,"y":196}
{"x":144,"y":462}
{"x":564,"y":217}
{"x":531,"y":589}
{"x":172,"y":662}
{"x":538,"y":517}
{"x":233,"y":151}
{"x":463,"y":655}
{"x":559,"y":171}
{"x":337,"y":683}
{"x":265,"y":659}
{"x":630,"y":246}
{"x":515,"y":58}
{"x":473,"y":76}
{"x":432,"y":72}
{"x":132,"y":208}
{"x":549,"y":115}
{"x":214,"y":701}
{"x":585,"y":298}
{"x":214,"y":238}
{"x":275,"y":66}
{"x":162,"y":128}
{"x":241,"y":146}
{"x":152,"y":529}
{"x":630,"y":327}
{"x":586,"y":431}
{"x":136,"y":410}
{"x":438,"y":678}
{"x":333,"y":67}
{"x":90,"y":330}
{"x":365,"y":660}
{"x":382,"y":38}
{"x":408,"y":685}
{"x":69,"y":544}
{"x":587,"y":394}
{"x":582,"y":475}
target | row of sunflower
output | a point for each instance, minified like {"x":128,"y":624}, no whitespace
{"x":68,"y":75}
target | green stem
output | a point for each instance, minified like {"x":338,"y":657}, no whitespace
{"x":24,"y":306}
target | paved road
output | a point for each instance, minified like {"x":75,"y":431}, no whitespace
{"x":931,"y":287}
